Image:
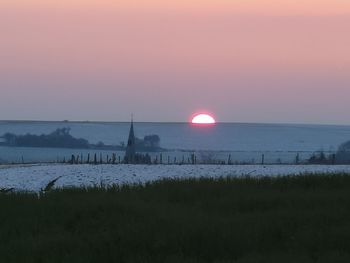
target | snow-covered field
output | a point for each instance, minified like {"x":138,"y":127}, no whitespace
{"x":37,"y":177}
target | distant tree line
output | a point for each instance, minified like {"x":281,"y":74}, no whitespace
{"x":148,"y":142}
{"x":61,"y":138}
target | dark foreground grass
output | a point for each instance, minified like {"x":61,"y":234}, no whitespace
{"x":289,"y":219}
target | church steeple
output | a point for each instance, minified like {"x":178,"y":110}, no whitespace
{"x":131,"y":147}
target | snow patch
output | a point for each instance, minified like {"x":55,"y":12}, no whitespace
{"x":36,"y":178}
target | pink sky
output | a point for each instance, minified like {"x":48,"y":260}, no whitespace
{"x":246,"y":61}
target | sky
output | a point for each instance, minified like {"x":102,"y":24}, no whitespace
{"x":243,"y":60}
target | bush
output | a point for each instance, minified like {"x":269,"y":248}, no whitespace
{"x":343,"y":153}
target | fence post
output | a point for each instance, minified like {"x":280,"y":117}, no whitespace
{"x":297,"y":159}
{"x":72,"y":161}
{"x":263,"y":159}
{"x":333,"y":159}
{"x":193,"y":158}
{"x":229,"y":159}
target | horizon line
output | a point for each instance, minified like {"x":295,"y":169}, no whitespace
{"x":175,"y":122}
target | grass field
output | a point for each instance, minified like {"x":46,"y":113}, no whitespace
{"x":286,"y":219}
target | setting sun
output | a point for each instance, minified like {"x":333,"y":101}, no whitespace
{"x":203,"y":119}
